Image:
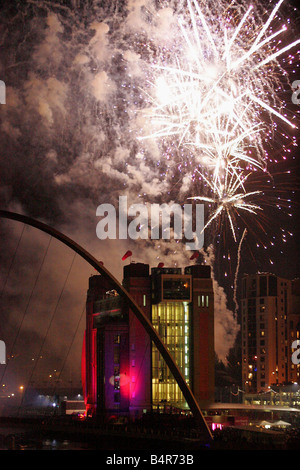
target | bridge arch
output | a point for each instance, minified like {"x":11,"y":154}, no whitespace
{"x":136,"y":310}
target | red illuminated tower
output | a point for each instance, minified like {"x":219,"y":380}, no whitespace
{"x":117,"y":350}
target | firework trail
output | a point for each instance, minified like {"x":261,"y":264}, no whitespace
{"x":237,"y":272}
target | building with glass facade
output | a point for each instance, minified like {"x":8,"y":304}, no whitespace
{"x":123,"y":370}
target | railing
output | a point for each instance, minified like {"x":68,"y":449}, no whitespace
{"x":110,"y":303}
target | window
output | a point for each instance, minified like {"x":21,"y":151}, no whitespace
{"x":116,"y":355}
{"x":203,"y":301}
{"x":117,"y":383}
{"x":176,"y":289}
{"x":263,"y":286}
{"x":253,"y":288}
{"x":172,"y":320}
{"x":272,"y":285}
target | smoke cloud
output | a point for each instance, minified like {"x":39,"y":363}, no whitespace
{"x":76,"y":76}
{"x":226,"y":324}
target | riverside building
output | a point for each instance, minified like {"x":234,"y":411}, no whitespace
{"x":123,"y":372}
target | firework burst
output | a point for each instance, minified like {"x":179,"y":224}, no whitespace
{"x":214,"y":95}
{"x":230,"y":196}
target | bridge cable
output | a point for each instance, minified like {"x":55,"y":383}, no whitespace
{"x":28,"y":303}
{"x":49,"y":326}
{"x":69,"y":349}
{"x":12,"y":260}
{"x":10,"y":267}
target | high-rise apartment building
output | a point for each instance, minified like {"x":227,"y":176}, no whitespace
{"x":270,"y":318}
{"x":123,"y":371}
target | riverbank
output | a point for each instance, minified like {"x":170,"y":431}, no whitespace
{"x":65,"y":433}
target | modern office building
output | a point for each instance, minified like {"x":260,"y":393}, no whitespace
{"x":122,"y":370}
{"x":270,"y":318}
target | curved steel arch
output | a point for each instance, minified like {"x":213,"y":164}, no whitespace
{"x":137,"y":311}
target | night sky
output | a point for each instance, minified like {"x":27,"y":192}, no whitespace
{"x":73,"y":72}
